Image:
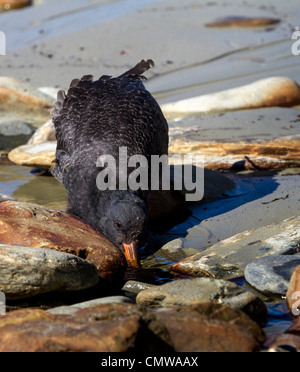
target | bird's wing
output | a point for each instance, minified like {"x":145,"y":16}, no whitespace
{"x":99,"y":117}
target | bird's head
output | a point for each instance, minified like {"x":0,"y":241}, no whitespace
{"x":125,"y":224}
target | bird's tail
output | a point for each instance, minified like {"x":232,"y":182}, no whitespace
{"x":139,"y":69}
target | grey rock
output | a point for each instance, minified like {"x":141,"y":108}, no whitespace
{"x":136,"y":287}
{"x":4,"y":198}
{"x":44,"y":133}
{"x":14,"y":132}
{"x":272,"y":274}
{"x":69,"y":310}
{"x":26,"y":272}
{"x":228,"y":258}
{"x":196,"y":291}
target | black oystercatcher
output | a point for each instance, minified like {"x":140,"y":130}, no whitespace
{"x":98,"y":118}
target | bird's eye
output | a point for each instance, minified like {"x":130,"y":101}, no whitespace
{"x":118,"y":225}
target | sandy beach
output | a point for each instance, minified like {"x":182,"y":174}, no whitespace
{"x":53,"y":42}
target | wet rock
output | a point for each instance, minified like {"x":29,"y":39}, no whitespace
{"x":284,"y":343}
{"x":69,"y":310}
{"x":19,"y":100}
{"x":45,"y":133}
{"x":106,"y":328}
{"x":14,"y":4}
{"x":193,"y":292}
{"x":23,"y":224}
{"x":34,"y":155}
{"x":244,"y":22}
{"x":271,"y":92}
{"x":14,"y":133}
{"x":272,"y":274}
{"x":124,"y":327}
{"x":228,"y":258}
{"x":27,"y":272}
{"x":206,"y":328}
{"x":136,"y":287}
{"x":293,"y":293}
{"x":4,"y":198}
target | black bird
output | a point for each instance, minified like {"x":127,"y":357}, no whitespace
{"x":96,"y":118}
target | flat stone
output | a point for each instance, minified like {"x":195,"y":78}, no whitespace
{"x":69,"y":310}
{"x":256,"y":139}
{"x":18,"y":99}
{"x":34,"y":155}
{"x":272,"y":274}
{"x":196,"y":291}
{"x":23,"y":224}
{"x":293,"y":293}
{"x":106,"y":328}
{"x":136,"y":287}
{"x":244,"y":22}
{"x":229,"y":258}
{"x":27,"y":272}
{"x":14,"y":4}
{"x":270,"y":92}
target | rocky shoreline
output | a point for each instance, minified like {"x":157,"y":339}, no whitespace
{"x":228,"y":267}
{"x":152,"y":313}
{"x":46,"y":252}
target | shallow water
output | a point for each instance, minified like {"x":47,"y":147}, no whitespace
{"x":24,"y":184}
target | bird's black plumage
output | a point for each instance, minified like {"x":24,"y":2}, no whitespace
{"x":96,"y":118}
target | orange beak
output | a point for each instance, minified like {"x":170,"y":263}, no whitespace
{"x":131,"y":254}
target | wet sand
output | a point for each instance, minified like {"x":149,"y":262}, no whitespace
{"x":51,"y":43}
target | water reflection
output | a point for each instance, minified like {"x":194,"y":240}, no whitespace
{"x":23,"y":183}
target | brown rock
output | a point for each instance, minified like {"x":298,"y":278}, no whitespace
{"x":206,"y":328}
{"x":293,"y":293}
{"x":106,"y":328}
{"x":244,"y":22}
{"x":263,"y":155}
{"x":17,"y":103}
{"x":124,"y":327}
{"x":270,"y":92}
{"x":40,"y":155}
{"x":14,"y":4}
{"x":23,"y":224}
